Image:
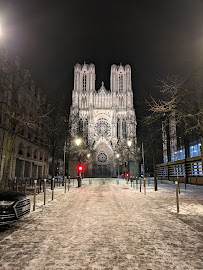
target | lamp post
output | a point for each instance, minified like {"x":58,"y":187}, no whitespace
{"x":117,"y":155}
{"x":64,"y":161}
{"x":78,"y":142}
{"x":88,"y":156}
{"x":129,"y":145}
{"x":143,"y":168}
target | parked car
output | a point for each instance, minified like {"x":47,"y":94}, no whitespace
{"x":13,"y":205}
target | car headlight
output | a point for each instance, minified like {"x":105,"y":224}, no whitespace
{"x":6,"y":203}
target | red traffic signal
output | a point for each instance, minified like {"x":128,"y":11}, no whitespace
{"x":80,"y":168}
{"x":127,"y":174}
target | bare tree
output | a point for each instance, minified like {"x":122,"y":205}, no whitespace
{"x":21,"y":106}
{"x":56,"y":126}
{"x":152,"y":139}
{"x":181,"y":100}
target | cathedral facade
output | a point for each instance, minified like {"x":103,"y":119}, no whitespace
{"x":106,"y":118}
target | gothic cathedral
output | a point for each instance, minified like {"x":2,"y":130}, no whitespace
{"x":105,"y":117}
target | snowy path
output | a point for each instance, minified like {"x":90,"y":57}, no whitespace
{"x":103,"y":227}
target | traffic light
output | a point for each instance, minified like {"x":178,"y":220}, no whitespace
{"x":127,"y":174}
{"x":80,"y":168}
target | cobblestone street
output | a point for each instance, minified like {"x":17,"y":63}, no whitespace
{"x":105,"y":226}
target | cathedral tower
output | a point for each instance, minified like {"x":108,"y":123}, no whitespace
{"x":106,"y":118}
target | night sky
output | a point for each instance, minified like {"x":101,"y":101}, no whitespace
{"x":154,"y":37}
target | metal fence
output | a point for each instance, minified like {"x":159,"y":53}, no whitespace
{"x":188,"y":170}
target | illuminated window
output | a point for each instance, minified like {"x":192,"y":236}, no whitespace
{"x":195,"y":149}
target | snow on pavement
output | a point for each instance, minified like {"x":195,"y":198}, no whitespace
{"x":108,"y":226}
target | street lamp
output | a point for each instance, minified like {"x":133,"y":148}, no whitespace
{"x":78,"y":142}
{"x":143,"y":168}
{"x":129,"y":145}
{"x":64,"y":160}
{"x":88,"y":169}
{"x":117,"y":155}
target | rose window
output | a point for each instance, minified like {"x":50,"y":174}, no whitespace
{"x":102,"y":127}
{"x":102,"y":157}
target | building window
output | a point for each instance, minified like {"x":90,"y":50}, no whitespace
{"x":124,"y":128}
{"x":120,"y":79}
{"x":102,"y":157}
{"x":102,"y":127}
{"x":181,"y":153}
{"x":84,"y":81}
{"x":20,"y":149}
{"x":29,"y":136}
{"x":86,"y":126}
{"x":35,"y":154}
{"x":195,"y":149}
{"x":84,"y":102}
{"x":28,"y":152}
{"x":118,"y":128}
{"x":22,"y":132}
{"x":80,"y":126}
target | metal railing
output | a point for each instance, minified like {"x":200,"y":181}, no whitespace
{"x":189,"y":171}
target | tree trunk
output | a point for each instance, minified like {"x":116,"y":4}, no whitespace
{"x":7,"y":161}
{"x":136,"y":168}
{"x":68,"y":165}
{"x":53,"y":168}
{"x":154,"y":166}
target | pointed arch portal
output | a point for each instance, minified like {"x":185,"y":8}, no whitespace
{"x":103,"y":159}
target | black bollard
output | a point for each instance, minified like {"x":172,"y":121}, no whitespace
{"x":35,"y":187}
{"x":177,"y":199}
{"x":144,"y":186}
{"x":53,"y":183}
{"x":45,"y":191}
{"x":68,"y":182}
{"x":65,"y":178}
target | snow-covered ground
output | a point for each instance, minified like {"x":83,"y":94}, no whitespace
{"x":108,"y":226}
